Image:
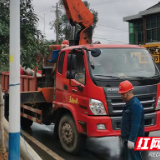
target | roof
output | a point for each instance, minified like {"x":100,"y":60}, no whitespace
{"x":88,"y":46}
{"x":152,"y":10}
{"x":155,"y":6}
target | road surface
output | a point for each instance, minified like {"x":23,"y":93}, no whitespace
{"x":108,"y":148}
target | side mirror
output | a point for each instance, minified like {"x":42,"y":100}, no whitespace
{"x":95,"y":52}
{"x":71,"y":66}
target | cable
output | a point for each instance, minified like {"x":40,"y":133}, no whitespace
{"x":44,"y":10}
{"x":95,"y":3}
{"x":109,"y":39}
{"x":115,"y":35}
{"x":43,"y":13}
{"x":47,"y":17}
{"x":109,"y":2}
{"x":118,"y":35}
{"x":112,"y":37}
{"x":111,"y":27}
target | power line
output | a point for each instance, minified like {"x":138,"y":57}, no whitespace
{"x":112,"y":27}
{"x":43,"y":13}
{"x":108,"y":2}
{"x":109,"y":39}
{"x":40,"y":16}
{"x":95,"y":3}
{"x":46,"y":13}
{"x":46,"y":9}
{"x":47,"y":17}
{"x":124,"y":38}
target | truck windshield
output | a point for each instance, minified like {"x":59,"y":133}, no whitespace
{"x":122,"y":62}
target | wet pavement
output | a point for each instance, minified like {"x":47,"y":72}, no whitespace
{"x":108,"y":148}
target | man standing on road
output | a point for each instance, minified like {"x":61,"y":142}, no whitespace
{"x":132,"y":123}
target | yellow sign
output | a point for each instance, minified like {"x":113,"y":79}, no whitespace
{"x":154,"y":50}
{"x":11,"y":58}
{"x":155,"y":58}
{"x":72,"y":100}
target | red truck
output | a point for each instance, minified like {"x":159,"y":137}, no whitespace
{"x":82,"y":98}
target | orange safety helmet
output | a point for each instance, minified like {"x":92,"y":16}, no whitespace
{"x":125,"y":87}
{"x":65,"y":42}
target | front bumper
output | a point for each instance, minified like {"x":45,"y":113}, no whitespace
{"x":157,"y":124}
{"x":112,"y":124}
{"x":92,"y":130}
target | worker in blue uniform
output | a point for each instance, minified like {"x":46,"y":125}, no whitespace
{"x":132,"y":122}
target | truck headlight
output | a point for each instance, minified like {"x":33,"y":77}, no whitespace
{"x":97,"y":107}
{"x":158,"y":104}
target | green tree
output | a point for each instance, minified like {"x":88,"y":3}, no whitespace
{"x":4,"y":36}
{"x":30,"y":35}
{"x":64,"y":26}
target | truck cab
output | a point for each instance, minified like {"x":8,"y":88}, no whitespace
{"x":87,"y":81}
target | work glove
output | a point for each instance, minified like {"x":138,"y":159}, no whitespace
{"x":130,"y":145}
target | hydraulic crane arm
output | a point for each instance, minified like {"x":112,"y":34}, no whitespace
{"x":77,"y":12}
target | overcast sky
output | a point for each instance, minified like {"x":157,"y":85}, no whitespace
{"x":110,"y":28}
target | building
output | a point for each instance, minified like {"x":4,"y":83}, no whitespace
{"x":144,"y":27}
{"x":144,"y":30}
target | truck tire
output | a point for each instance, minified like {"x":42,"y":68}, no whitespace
{"x":69,"y":137}
{"x":6,"y":106}
{"x":26,"y":123}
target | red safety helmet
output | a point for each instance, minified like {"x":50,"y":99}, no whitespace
{"x":125,"y":87}
{"x":65,"y":42}
{"x":21,"y":71}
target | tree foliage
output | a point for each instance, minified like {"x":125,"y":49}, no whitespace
{"x":30,"y":35}
{"x":4,"y":30}
{"x":64,"y":27}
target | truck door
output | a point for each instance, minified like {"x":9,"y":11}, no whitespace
{"x":69,"y":94}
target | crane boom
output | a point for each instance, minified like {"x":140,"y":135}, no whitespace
{"x":78,"y":13}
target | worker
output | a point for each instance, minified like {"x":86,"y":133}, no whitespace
{"x":132,"y":123}
{"x":65,"y":42}
{"x":21,"y":71}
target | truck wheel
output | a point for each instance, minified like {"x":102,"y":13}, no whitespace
{"x":26,"y":123}
{"x":6,"y":107}
{"x":70,"y":139}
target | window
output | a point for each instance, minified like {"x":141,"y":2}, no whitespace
{"x":153,"y":28}
{"x":158,"y":34}
{"x":131,"y":38}
{"x":136,"y":31}
{"x":60,"y":62}
{"x":122,"y":62}
{"x":149,"y":35}
{"x":80,"y":69}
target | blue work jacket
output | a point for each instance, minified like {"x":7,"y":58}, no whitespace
{"x":132,"y":122}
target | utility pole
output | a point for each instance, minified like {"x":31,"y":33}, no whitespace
{"x":44,"y":24}
{"x":14,"y":81}
{"x":57,"y":22}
